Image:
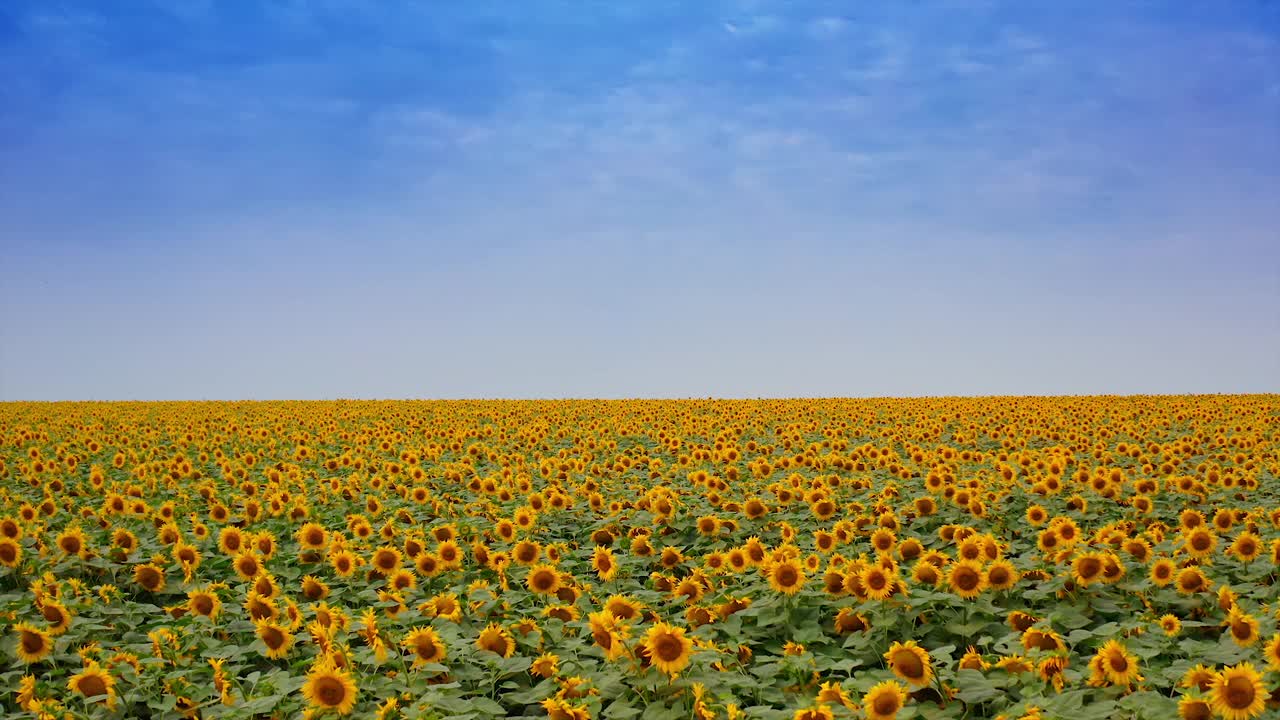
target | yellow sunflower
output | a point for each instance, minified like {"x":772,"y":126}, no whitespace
{"x":786,"y":576}
{"x":34,"y":644}
{"x":966,"y":579}
{"x":910,"y":662}
{"x":668,"y":648}
{"x":426,"y":646}
{"x":883,"y":701}
{"x":330,"y":688}
{"x":277,"y":638}
{"x":94,"y":682}
{"x":496,"y":639}
{"x":1238,"y":693}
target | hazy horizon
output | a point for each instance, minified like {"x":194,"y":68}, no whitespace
{"x":298,"y":200}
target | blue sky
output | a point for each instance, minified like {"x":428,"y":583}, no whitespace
{"x":320,"y":199}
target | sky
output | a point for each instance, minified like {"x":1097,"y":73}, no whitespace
{"x":338,"y":198}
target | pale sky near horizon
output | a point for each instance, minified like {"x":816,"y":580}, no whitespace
{"x":745,"y":198}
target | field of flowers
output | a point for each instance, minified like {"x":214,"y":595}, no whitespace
{"x":1081,"y":558}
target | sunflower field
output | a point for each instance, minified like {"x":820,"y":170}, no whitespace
{"x":1081,"y":558}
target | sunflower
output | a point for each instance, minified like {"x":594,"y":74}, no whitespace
{"x":1243,"y":626}
{"x":1036,"y":515}
{"x":277,"y":638}
{"x":203,"y":602}
{"x":817,"y":712}
{"x":34,"y":644}
{"x":426,"y":646}
{"x":260,"y":608}
{"x":386,"y":559}
{"x":1272,"y":652}
{"x":910,"y":663}
{"x":496,"y":639}
{"x":883,"y":701}
{"x":312,"y":536}
{"x":330,"y":688}
{"x":1238,"y":693}
{"x":1194,"y":707}
{"x":1199,"y":542}
{"x":72,"y":541}
{"x":1190,"y":580}
{"x":875,"y":582}
{"x":786,"y":576}
{"x":1087,"y":568}
{"x":247,"y":564}
{"x":1037,"y":639}
{"x":848,"y":621}
{"x":607,"y":634}
{"x":1001,"y":575}
{"x":94,"y":682}
{"x":1170,"y":624}
{"x":313,"y":588}
{"x":1246,"y":547}
{"x":545,"y":665}
{"x":1118,"y":665}
{"x":833,"y":694}
{"x":1050,"y":670}
{"x":603,"y":562}
{"x":1163,"y":571}
{"x":1200,"y":677}
{"x":230,"y":540}
{"x":543,"y":579}
{"x":57,"y":615}
{"x":150,"y":576}
{"x":344,"y":563}
{"x":668,"y":648}
{"x":450,"y":554}
{"x":966,"y":579}
{"x":10,"y":552}
{"x":623,"y":607}
{"x":973,"y":660}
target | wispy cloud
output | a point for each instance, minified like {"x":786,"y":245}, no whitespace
{"x":751,"y":136}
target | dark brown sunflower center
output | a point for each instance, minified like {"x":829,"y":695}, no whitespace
{"x":668,"y":648}
{"x":908,"y":663}
{"x":330,"y":691}
{"x":1240,"y":693}
{"x":272,"y":638}
{"x":92,"y":686}
{"x":885,"y":704}
{"x":32,"y":642}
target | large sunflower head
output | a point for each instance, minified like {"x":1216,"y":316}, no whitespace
{"x":1238,"y":693}
{"x":786,"y":576}
{"x":275,"y":637}
{"x":607,"y":633}
{"x":1243,"y":627}
{"x":426,"y":646}
{"x":34,"y":644}
{"x":668,"y":648}
{"x":203,"y":602}
{"x":966,"y":579}
{"x":883,"y":701}
{"x":150,"y":576}
{"x":496,"y":639}
{"x":543,"y":579}
{"x":94,"y":682}
{"x":910,"y":663}
{"x":330,"y":688}
{"x":1118,"y":665}
{"x":10,"y":552}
